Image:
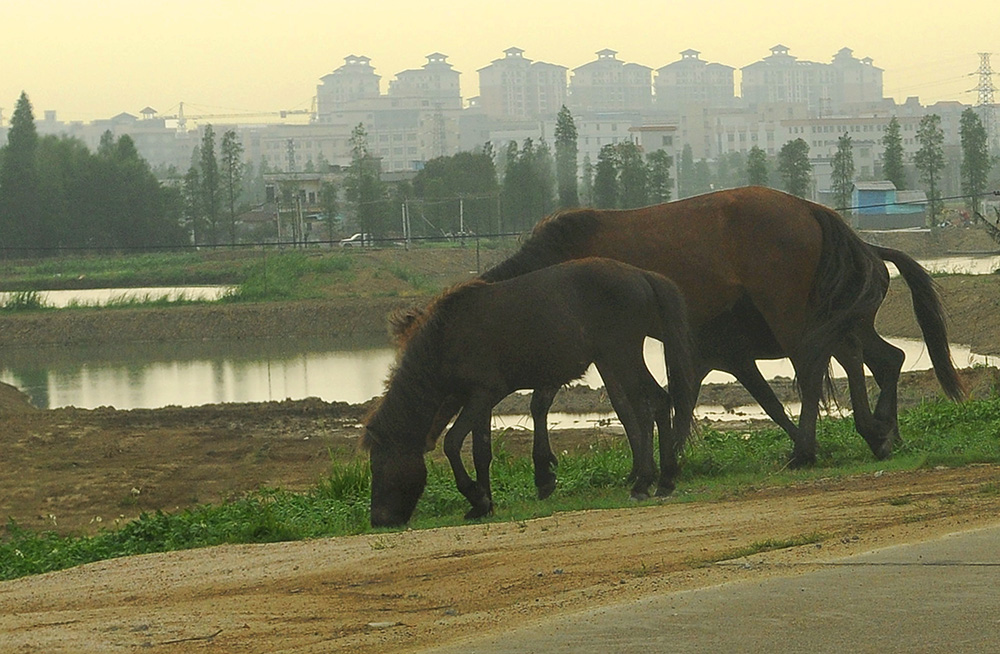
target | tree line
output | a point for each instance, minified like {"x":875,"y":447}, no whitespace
{"x":56,"y":193}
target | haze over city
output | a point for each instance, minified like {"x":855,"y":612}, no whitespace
{"x":94,"y":60}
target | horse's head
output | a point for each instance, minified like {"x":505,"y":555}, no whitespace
{"x":398,"y":479}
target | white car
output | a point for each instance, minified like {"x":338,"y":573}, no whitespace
{"x":358,"y":240}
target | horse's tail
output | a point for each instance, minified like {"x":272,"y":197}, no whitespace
{"x":931,"y":318}
{"x":849,"y":285}
{"x":678,"y":351}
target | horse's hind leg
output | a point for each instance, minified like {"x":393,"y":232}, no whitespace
{"x":873,"y":430}
{"x":670,"y":441}
{"x":541,"y":451}
{"x":635,"y":414}
{"x":885,"y":360}
{"x":811,"y":387}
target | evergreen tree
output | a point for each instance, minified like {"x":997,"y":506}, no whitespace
{"x":929,"y":159}
{"x":20,"y":218}
{"x":330,"y":201}
{"x":364,"y":185}
{"x":794,"y":166}
{"x":192,"y":196}
{"x":701,"y":180}
{"x":464,"y":182}
{"x":660,"y":183}
{"x":757,"y":167}
{"x":633,"y":176}
{"x":232,"y":166}
{"x":892,"y":156}
{"x":843,"y":172}
{"x":686,"y":173}
{"x":543,"y":166}
{"x":211,"y":184}
{"x":587,"y":184}
{"x":606,"y":178}
{"x":566,"y":159}
{"x":976,"y":163}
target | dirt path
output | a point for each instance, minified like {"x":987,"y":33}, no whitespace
{"x":396,"y":592}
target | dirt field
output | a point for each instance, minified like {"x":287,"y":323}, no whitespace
{"x":74,"y":470}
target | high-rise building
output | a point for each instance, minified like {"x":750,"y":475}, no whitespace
{"x":516,"y":87}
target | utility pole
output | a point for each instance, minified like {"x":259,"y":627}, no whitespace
{"x":985,"y":103}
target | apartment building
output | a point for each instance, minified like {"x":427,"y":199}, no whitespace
{"x":609,"y":84}
{"x":515,"y":87}
{"x":825,"y":89}
{"x":692,"y":81}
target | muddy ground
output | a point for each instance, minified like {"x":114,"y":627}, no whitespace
{"x":74,"y":470}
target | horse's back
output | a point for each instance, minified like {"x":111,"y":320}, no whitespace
{"x":720,"y":247}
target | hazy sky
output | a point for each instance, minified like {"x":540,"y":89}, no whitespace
{"x":92,"y":59}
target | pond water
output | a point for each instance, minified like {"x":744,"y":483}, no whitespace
{"x":104,"y":296}
{"x":190,"y":374}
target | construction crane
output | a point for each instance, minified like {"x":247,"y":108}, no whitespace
{"x":182,"y":118}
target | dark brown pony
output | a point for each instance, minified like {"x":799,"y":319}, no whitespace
{"x":766,"y":275}
{"x":479,"y":342}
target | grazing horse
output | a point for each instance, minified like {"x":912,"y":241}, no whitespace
{"x":479,"y":342}
{"x":766,"y":275}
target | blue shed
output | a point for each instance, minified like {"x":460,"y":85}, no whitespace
{"x":877,"y":205}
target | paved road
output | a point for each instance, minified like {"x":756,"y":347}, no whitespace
{"x":938,"y":596}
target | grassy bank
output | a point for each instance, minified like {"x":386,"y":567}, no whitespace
{"x":264,"y":273}
{"x":718,"y":465}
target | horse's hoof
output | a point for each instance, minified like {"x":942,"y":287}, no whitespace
{"x":480,"y":511}
{"x":798,"y":461}
{"x":664,"y":491}
{"x":637,"y":496}
{"x":884,"y":451}
{"x":546,"y":489}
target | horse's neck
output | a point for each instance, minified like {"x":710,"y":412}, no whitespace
{"x":408,"y":408}
{"x":528,"y":259}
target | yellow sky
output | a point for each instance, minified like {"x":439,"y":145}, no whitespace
{"x":92,"y":59}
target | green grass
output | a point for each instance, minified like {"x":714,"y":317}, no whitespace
{"x":290,"y":276}
{"x":717,"y":465}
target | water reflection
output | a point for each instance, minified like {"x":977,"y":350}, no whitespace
{"x":190,"y":374}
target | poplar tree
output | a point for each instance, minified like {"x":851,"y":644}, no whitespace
{"x":892,"y":156}
{"x":929,"y":159}
{"x":211,"y":200}
{"x":232,"y":166}
{"x":566,"y":159}
{"x":843,"y":172}
{"x":976,"y":164}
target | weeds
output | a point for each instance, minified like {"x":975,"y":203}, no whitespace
{"x":22,"y":301}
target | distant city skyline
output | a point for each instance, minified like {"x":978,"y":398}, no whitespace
{"x":90,"y":61}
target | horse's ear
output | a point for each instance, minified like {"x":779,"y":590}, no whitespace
{"x":401,"y":321}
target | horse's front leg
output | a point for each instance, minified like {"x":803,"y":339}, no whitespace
{"x":541,"y":450}
{"x":471,"y":419}
{"x":482,"y":458}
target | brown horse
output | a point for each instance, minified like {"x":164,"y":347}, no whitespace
{"x":766,"y":275}
{"x":479,"y":342}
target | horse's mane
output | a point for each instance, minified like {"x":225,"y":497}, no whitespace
{"x":414,"y":386}
{"x":556,"y":238}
